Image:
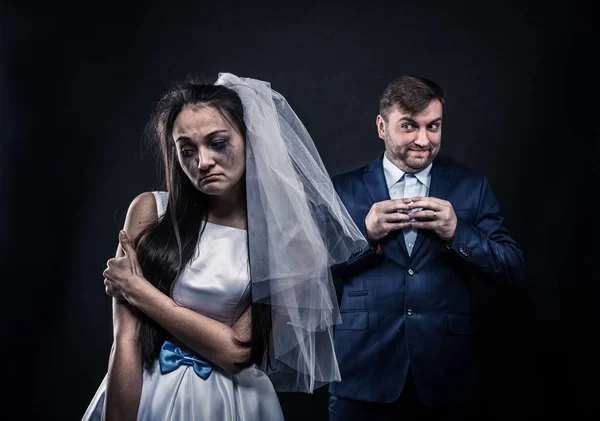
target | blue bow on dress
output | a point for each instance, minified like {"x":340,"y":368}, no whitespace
{"x":171,"y":357}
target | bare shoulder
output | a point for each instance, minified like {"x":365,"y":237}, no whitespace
{"x":141,"y":213}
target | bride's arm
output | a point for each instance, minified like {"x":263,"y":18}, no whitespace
{"x":124,"y":379}
{"x":217,"y":342}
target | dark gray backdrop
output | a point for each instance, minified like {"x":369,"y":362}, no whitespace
{"x":77,"y":84}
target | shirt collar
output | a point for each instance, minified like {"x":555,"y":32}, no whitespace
{"x":393,"y":174}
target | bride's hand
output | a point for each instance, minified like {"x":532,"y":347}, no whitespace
{"x":123,"y":275}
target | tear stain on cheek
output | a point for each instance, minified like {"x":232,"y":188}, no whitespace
{"x":229,"y":153}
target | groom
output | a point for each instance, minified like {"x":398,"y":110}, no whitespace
{"x":405,"y":343}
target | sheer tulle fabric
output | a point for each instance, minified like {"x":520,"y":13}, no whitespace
{"x":298,"y":228}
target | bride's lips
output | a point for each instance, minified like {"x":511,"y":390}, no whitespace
{"x":209,"y":178}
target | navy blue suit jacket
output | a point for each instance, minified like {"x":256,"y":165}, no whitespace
{"x":400,"y":311}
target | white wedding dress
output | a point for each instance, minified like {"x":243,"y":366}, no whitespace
{"x":216,"y":283}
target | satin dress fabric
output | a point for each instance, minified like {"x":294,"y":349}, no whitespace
{"x":216,"y":284}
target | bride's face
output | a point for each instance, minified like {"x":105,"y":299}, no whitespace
{"x":210,"y":150}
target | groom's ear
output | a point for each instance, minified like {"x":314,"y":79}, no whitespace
{"x":380,"y":122}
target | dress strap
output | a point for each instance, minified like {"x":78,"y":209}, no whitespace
{"x":162,"y":198}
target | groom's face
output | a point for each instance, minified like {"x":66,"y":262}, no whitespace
{"x":412,"y":141}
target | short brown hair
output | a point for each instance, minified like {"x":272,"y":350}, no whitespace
{"x":411,"y":94}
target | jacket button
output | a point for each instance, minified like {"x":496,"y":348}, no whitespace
{"x":409,"y":312}
{"x":411,"y":272}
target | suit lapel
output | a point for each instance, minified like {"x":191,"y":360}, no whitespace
{"x":440,"y":182}
{"x":374,"y":180}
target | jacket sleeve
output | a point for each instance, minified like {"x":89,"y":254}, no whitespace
{"x":359,"y":260}
{"x":485,"y":243}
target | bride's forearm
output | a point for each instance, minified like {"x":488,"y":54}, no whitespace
{"x":124,"y":382}
{"x":213,"y":340}
{"x":126,"y":322}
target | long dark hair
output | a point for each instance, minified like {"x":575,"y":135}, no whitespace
{"x":165,"y":246}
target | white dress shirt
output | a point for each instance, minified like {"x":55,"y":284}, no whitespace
{"x":398,"y":189}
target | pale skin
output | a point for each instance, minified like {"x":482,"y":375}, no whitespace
{"x":212,"y":154}
{"x":411,"y":143}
